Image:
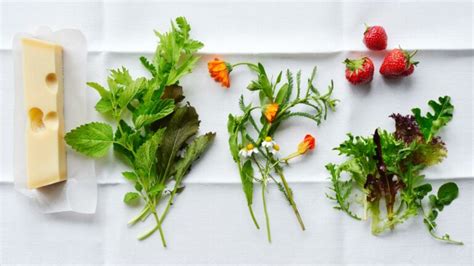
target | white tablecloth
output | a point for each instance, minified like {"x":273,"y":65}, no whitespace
{"x":209,"y":222}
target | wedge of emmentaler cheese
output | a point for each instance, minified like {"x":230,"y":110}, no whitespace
{"x":43,"y":91}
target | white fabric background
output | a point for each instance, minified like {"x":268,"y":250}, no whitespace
{"x":209,"y":222}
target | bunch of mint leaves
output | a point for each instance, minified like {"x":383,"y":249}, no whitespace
{"x":246,"y":129}
{"x":155,"y":133}
{"x":386,"y":168}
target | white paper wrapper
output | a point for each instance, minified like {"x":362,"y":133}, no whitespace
{"x":79,"y":192}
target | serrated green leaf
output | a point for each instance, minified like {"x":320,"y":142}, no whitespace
{"x":150,"y":112}
{"x":93,"y":139}
{"x":104,"y":106}
{"x":146,"y":154}
{"x":130,"y":92}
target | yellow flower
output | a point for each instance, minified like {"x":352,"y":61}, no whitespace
{"x":308,"y":143}
{"x":271,"y":111}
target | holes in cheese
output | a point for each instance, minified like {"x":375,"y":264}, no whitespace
{"x":51,"y":120}
{"x":52,"y":82}
{"x":36,"y":119}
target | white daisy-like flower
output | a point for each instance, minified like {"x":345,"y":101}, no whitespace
{"x":248,"y":151}
{"x":275,"y":149}
{"x":268,"y":143}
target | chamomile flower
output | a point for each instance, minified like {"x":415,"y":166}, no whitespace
{"x":275,"y":149}
{"x":268,"y":143}
{"x":248,"y":151}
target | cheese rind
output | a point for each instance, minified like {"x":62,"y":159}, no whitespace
{"x":43,"y":90}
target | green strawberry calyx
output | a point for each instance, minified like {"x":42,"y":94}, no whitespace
{"x":355,"y":65}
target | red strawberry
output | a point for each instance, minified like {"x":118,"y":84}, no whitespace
{"x":398,"y":63}
{"x":359,"y":71}
{"x":375,"y":38}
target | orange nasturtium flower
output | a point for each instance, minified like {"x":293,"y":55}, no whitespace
{"x":307,"y":144}
{"x":220,"y":71}
{"x":271,"y":111}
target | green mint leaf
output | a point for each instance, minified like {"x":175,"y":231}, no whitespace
{"x":433,"y":122}
{"x":131,"y":198}
{"x":93,"y":139}
{"x":150,"y":112}
{"x":104,"y":106}
{"x":130,"y":92}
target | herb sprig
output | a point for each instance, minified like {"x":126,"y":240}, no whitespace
{"x":155,"y":133}
{"x":277,"y":102}
{"x":386,"y":168}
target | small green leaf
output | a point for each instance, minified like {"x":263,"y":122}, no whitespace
{"x":282,"y":95}
{"x":131,"y":176}
{"x":104,"y":106}
{"x":101,"y":90}
{"x":156,"y":189}
{"x":447,"y":193}
{"x":131,"y":198}
{"x":422,"y":191}
{"x":93,"y":139}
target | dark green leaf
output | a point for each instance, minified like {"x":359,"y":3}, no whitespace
{"x":184,"y":123}
{"x":447,"y":193}
{"x":193,"y":152}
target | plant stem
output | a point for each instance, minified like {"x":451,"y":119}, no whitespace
{"x":450,"y":241}
{"x":290,"y":198}
{"x":139,"y":217}
{"x":157,"y":227}
{"x":267,"y":218}
{"x":253,"y":216}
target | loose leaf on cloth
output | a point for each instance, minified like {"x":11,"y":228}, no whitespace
{"x":151,"y":124}
{"x":387,"y":168}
